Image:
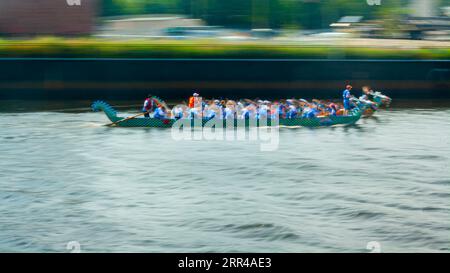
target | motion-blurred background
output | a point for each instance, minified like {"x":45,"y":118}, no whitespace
{"x":231,"y":19}
{"x":123,"y":48}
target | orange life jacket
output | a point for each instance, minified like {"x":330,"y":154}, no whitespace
{"x":340,"y":112}
{"x":191,"y":102}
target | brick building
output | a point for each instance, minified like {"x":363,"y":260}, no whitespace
{"x":60,"y":17}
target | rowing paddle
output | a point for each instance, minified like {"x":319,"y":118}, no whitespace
{"x":128,"y":118}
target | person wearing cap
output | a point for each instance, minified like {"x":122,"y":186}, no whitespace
{"x":193,"y":100}
{"x":346,"y":95}
{"x":149,"y":105}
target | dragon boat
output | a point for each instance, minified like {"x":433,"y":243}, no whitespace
{"x":320,"y":121}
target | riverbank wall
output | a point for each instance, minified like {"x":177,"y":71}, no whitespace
{"x":122,"y":78}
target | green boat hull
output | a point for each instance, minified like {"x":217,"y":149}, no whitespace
{"x":168,"y":123}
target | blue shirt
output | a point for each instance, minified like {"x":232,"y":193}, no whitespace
{"x":292,"y":112}
{"x":159,"y":113}
{"x":280,"y":109}
{"x":346,"y":95}
{"x":262,"y":112}
{"x":245,"y":113}
{"x":210,"y":114}
{"x":332,"y":111}
{"x":228,"y":113}
{"x":193,"y":113}
{"x":311,"y":113}
{"x":177,"y":113}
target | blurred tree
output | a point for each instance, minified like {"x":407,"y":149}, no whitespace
{"x":120,"y":7}
{"x":126,"y":7}
{"x":391,"y":14}
{"x":308,"y":14}
{"x":231,"y":13}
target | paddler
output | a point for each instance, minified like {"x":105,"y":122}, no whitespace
{"x":367,"y":93}
{"x":245,"y":112}
{"x":263,"y":110}
{"x":367,"y":98}
{"x":193,"y":100}
{"x":218,"y":109}
{"x":177,"y":112}
{"x":281,"y":110}
{"x":210,"y":111}
{"x":194,"y":113}
{"x":160,"y":112}
{"x":229,"y":112}
{"x":346,"y":95}
{"x":149,"y":105}
{"x":292,"y":112}
{"x":332,"y":108}
{"x":310,"y":111}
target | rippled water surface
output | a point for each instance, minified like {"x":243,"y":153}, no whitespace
{"x":65,"y":177}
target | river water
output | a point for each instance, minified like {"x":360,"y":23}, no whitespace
{"x":64,"y":177}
